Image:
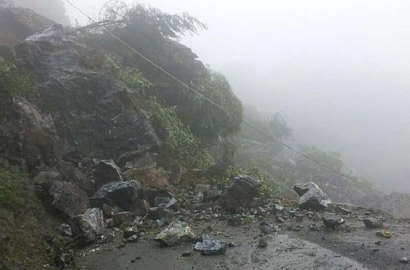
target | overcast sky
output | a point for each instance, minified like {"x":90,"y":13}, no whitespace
{"x":338,"y":70}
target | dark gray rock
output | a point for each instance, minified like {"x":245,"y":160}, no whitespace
{"x":203,"y":188}
{"x":61,"y":197}
{"x":123,"y":217}
{"x":123,"y":194}
{"x":65,"y":230}
{"x":268,"y":228}
{"x":311,"y":197}
{"x":212,"y":195}
{"x":235,"y":220}
{"x":93,"y":113}
{"x":208,"y":246}
{"x":373,"y":223}
{"x":262,"y":243}
{"x":241,"y":193}
{"x":87,"y":226}
{"x":130,"y":231}
{"x":332,"y":221}
{"x":105,"y":172}
{"x":68,"y":198}
{"x":404,"y":260}
{"x":179,"y":232}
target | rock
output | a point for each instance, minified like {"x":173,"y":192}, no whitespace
{"x":404,"y":260}
{"x":262,"y":244}
{"x":155,"y":213}
{"x":87,"y":226}
{"x":82,"y":181}
{"x":149,"y":177}
{"x":28,"y":137}
{"x":268,"y":228}
{"x":187,"y":253}
{"x":208,"y":246}
{"x":150,"y":194}
{"x":64,"y":198}
{"x":342,"y":210}
{"x":133,"y":239}
{"x":140,"y":207}
{"x":94,"y":114}
{"x":332,"y":221}
{"x":122,"y":217}
{"x":123,"y":194}
{"x":202,"y":188}
{"x":105,"y":172}
{"x":166,"y":202}
{"x":311,"y":197}
{"x":384,"y":234}
{"x":65,"y":230}
{"x":241,"y":193}
{"x":146,"y":160}
{"x":130,"y":231}
{"x":212,"y":195}
{"x":373,"y":223}
{"x":235,"y":220}
{"x":278,"y":211}
{"x":177,"y":233}
{"x":68,"y":198}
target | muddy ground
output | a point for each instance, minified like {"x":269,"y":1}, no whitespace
{"x":296,"y":246}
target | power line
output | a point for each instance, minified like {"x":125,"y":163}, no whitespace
{"x":230,"y":114}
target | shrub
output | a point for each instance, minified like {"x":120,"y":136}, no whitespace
{"x":13,"y":82}
{"x":10,"y":188}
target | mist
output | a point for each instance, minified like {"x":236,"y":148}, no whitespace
{"x":338,"y":71}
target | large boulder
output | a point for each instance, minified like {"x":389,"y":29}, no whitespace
{"x":93,"y":112}
{"x":241,"y":193}
{"x":178,"y":233}
{"x":27,"y":137}
{"x":88,"y":226}
{"x":64,"y":198}
{"x":124,"y":194}
{"x":68,"y":198}
{"x":106,"y":171}
{"x":311,"y":197}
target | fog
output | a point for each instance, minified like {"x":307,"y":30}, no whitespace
{"x":338,"y":70}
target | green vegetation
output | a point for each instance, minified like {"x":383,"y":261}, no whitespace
{"x":13,"y":82}
{"x":10,"y":189}
{"x":178,"y":138}
{"x":155,"y":34}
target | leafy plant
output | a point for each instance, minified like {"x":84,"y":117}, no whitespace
{"x":13,"y":82}
{"x":10,"y":188}
{"x":178,"y":138}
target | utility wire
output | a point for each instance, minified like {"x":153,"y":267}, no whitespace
{"x":230,"y":114}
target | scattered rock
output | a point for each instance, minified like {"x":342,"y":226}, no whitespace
{"x":149,"y":177}
{"x":268,"y":228}
{"x":311,"y":197}
{"x":213,"y":195}
{"x":202,"y":188}
{"x":235,"y":220}
{"x":241,"y":193}
{"x":384,"y":234}
{"x":105,"y":172}
{"x":208,"y":246}
{"x":332,"y":221}
{"x":187,"y":253}
{"x":177,"y":233}
{"x":262,"y":243}
{"x":65,"y":230}
{"x":87,"y":226}
{"x":130,"y":231}
{"x":122,"y":217}
{"x":373,"y":223}
{"x":404,"y":260}
{"x":123,"y":194}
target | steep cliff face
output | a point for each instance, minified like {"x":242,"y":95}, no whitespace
{"x":94,"y":115}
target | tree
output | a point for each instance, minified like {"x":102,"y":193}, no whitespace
{"x":155,"y":35}
{"x":52,"y":9}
